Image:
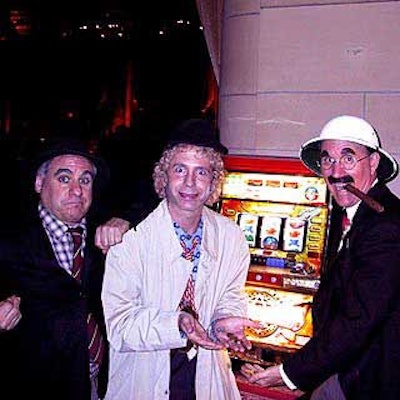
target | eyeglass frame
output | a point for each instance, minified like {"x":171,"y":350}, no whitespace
{"x":334,"y":161}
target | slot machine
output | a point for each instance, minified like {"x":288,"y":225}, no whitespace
{"x":283,"y":210}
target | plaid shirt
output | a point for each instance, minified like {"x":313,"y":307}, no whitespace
{"x":60,"y":237}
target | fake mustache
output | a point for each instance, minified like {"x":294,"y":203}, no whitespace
{"x":342,"y":179}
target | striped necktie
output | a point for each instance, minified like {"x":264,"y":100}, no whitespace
{"x":96,"y":341}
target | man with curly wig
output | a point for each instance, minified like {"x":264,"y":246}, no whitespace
{"x":173,"y":289}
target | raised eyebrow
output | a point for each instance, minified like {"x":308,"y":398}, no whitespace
{"x":61,"y":171}
{"x":87,"y":172}
{"x":207,"y":170}
{"x":347,"y":150}
{"x":178,"y":165}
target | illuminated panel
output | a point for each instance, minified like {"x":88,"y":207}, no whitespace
{"x":286,"y":317}
{"x":275,"y":187}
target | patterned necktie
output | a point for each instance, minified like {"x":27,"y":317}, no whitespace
{"x":96,"y":341}
{"x":187,"y":302}
{"x":77,"y":263}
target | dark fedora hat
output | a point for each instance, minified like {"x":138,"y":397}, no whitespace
{"x":197,"y":132}
{"x":60,"y":146}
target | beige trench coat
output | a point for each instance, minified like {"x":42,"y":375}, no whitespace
{"x":144,"y":281}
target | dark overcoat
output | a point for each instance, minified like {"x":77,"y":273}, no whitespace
{"x":46,"y":355}
{"x":356,"y":311}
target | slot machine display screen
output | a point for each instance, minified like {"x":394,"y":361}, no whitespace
{"x":283,"y":217}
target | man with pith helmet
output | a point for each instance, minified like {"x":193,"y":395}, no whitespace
{"x":355,"y":351}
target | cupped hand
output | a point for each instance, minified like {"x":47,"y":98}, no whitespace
{"x":195,"y":332}
{"x":230,"y":331}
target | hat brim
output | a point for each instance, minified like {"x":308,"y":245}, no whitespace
{"x":196,"y":132}
{"x":310,"y":154}
{"x":71,"y":148}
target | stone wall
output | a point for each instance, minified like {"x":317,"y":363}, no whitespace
{"x":288,"y":66}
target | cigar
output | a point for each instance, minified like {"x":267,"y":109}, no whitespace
{"x":378,"y":207}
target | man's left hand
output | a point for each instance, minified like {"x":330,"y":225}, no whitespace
{"x":230,"y":332}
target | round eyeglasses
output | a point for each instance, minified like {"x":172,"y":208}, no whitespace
{"x":347,"y":161}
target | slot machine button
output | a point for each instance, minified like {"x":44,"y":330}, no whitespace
{"x":314,"y":237}
{"x":316,"y":220}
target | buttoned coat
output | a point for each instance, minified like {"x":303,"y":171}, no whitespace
{"x":357,"y":310}
{"x":144,"y":281}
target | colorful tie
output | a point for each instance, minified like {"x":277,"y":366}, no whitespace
{"x":96,"y":341}
{"x":187,"y":302}
{"x":345,"y":222}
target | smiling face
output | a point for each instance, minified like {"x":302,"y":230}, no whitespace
{"x":189,"y":186}
{"x":66,"y":189}
{"x":362,"y":176}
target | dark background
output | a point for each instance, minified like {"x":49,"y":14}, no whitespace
{"x":56,"y":79}
{"x":46,"y":75}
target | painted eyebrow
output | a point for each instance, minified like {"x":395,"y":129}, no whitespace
{"x":324,"y":153}
{"x":346,"y":150}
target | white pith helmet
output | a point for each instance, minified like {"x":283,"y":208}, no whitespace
{"x":351,"y":129}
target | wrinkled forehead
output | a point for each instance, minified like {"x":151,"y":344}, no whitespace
{"x":330,"y":146}
{"x":73,"y":162}
{"x":188,"y":151}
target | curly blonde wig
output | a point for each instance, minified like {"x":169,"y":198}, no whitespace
{"x":160,"y":176}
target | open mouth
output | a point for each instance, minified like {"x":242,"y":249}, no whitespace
{"x":340,"y":186}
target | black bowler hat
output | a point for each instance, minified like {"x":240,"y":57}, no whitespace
{"x":64,"y":146}
{"x":198,"y":132}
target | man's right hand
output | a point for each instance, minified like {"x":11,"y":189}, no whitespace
{"x":110,"y":233}
{"x":9,"y":313}
{"x":264,"y":377}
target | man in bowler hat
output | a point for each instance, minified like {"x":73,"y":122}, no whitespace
{"x":173,"y":293}
{"x":60,"y":348}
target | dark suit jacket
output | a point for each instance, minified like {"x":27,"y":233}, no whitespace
{"x":357,"y":310}
{"x":48,"y":350}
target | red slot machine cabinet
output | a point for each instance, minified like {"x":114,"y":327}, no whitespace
{"x":283,"y":210}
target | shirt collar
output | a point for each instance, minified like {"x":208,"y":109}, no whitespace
{"x":54,"y":226}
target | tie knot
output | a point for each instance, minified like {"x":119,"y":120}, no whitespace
{"x":78,"y":230}
{"x":76,"y":235}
